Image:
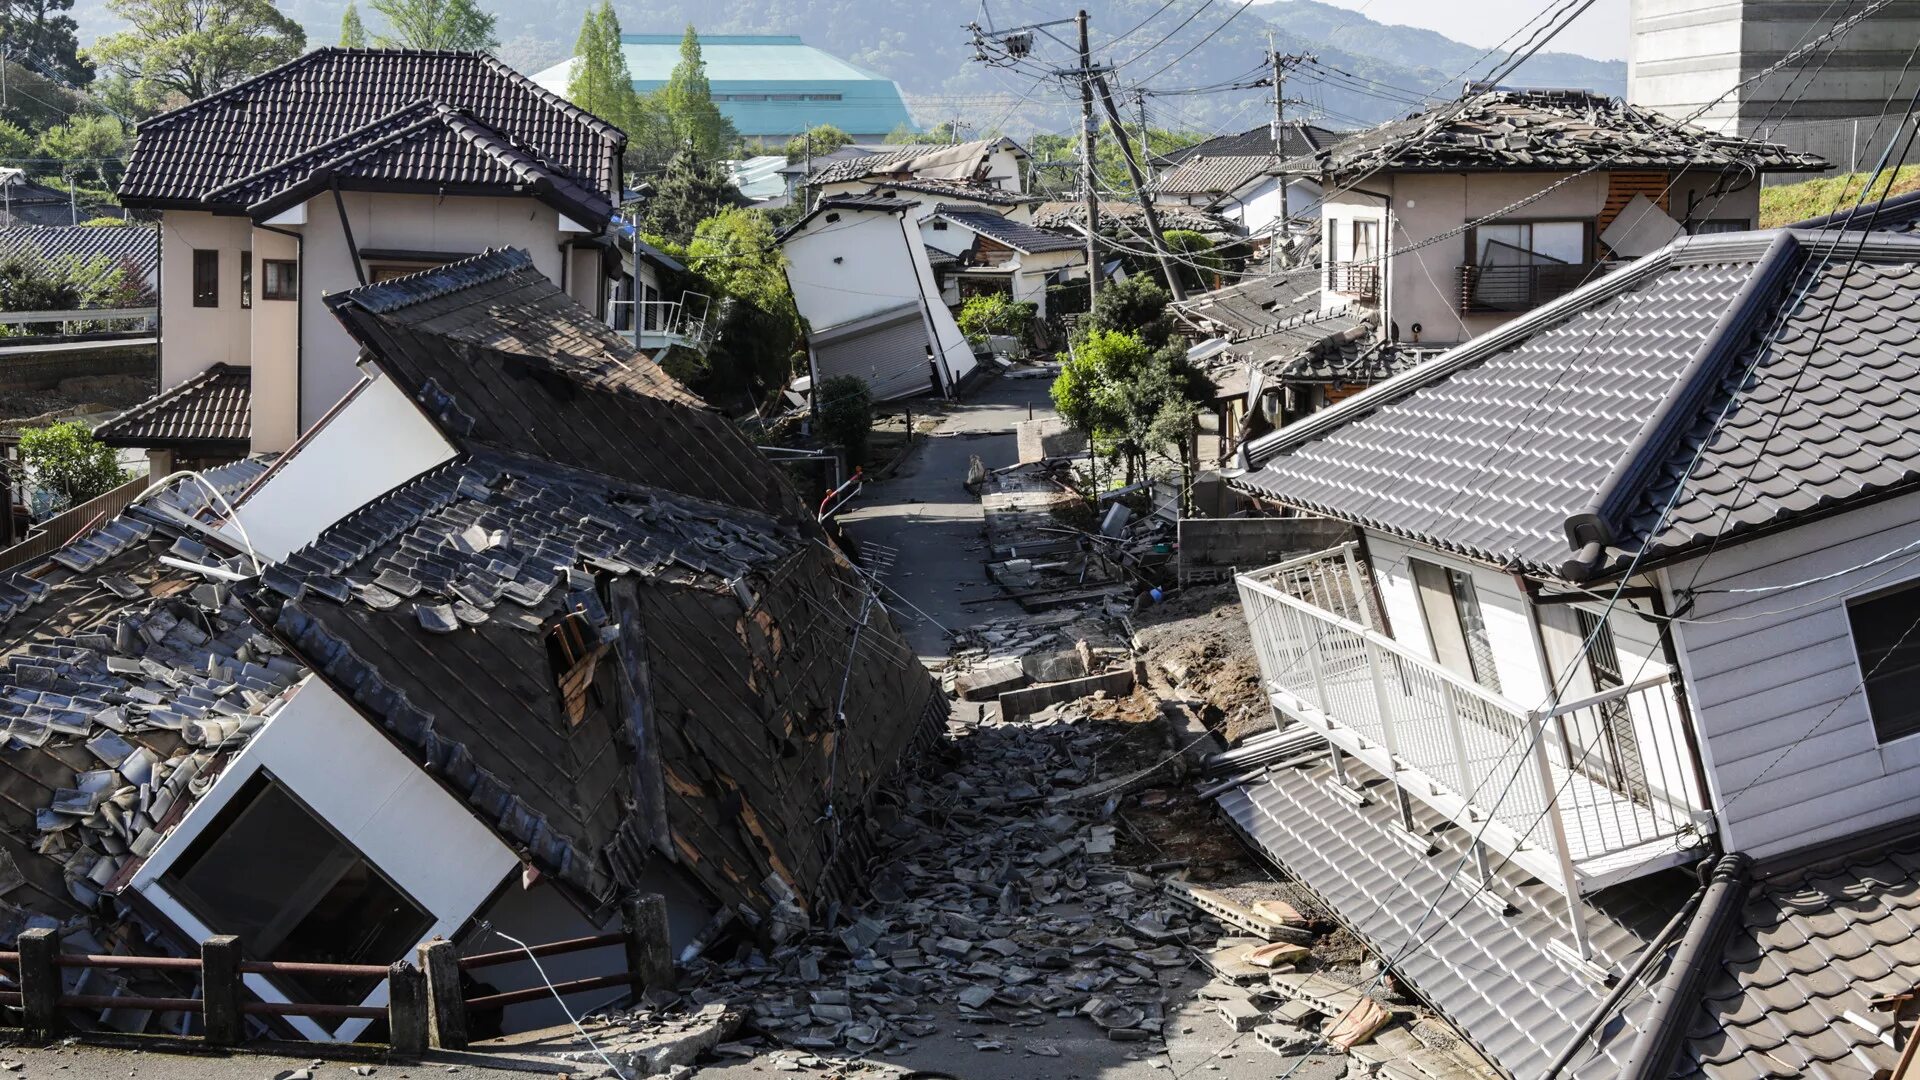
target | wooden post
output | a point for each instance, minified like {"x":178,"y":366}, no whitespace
{"x":220,"y":990}
{"x":407,"y":1009}
{"x":649,"y":949}
{"x":446,"y":1005}
{"x":39,"y":982}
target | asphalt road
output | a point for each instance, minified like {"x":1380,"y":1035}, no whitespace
{"x":925,"y":514}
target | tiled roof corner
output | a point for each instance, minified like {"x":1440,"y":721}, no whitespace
{"x":215,"y":406}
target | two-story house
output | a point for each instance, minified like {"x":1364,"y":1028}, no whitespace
{"x":1631,"y":585}
{"x":1458,"y":218}
{"x":338,"y":169}
{"x":1241,"y":176}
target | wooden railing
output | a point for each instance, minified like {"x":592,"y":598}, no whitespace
{"x":425,"y":1003}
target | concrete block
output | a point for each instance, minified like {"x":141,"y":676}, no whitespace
{"x":1018,"y":703}
{"x":989,"y":681}
{"x":1241,"y":1014}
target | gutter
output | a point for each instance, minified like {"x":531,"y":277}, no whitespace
{"x":1678,"y":993}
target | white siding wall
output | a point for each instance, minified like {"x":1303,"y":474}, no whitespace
{"x":1775,"y":684}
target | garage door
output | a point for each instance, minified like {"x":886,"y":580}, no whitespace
{"x":888,"y":350}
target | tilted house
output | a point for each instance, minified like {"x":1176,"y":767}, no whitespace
{"x":999,"y":164}
{"x":995,"y":253}
{"x":343,"y":167}
{"x":1632,"y":585}
{"x":531,"y":668}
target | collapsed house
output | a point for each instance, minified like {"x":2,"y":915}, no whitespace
{"x":574,"y":640}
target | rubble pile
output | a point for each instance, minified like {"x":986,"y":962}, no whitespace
{"x":1198,"y":643}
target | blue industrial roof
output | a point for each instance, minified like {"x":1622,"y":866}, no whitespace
{"x":767,"y":84}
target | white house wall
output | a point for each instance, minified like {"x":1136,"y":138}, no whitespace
{"x":1775,"y":683}
{"x":193,"y":339}
{"x":274,"y":333}
{"x":373,"y":444}
{"x":420,"y":836}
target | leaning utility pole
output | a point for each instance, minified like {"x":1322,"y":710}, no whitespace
{"x":1281,"y":62}
{"x":1088,"y":129}
{"x":1140,"y":189}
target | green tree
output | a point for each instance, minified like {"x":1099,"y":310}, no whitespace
{"x":66,"y":460}
{"x":14,"y":142}
{"x":824,"y":139}
{"x":846,"y":414}
{"x":194,"y":48}
{"x":1136,"y":306}
{"x":1197,"y":260}
{"x":688,"y":98}
{"x":1130,"y":399}
{"x":436,"y":24}
{"x":353,"y":32}
{"x":996,"y":313}
{"x":40,"y":35}
{"x":692,"y":189}
{"x":600,"y":82}
{"x":735,"y":251}
{"x":87,"y":142}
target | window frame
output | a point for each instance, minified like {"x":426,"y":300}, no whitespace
{"x":206,"y":277}
{"x":1454,"y":578}
{"x":1589,"y":236}
{"x":268,"y":289}
{"x":246,"y":280}
{"x":1910,"y":727}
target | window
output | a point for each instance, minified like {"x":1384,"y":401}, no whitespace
{"x":246,"y":279}
{"x":206,"y":278}
{"x":1886,"y":638}
{"x":279,"y":279}
{"x":1366,"y":241}
{"x":1699,"y":227}
{"x":268,"y":869}
{"x":1455,"y":622}
{"x":1530,"y":243}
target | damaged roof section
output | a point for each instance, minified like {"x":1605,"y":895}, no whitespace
{"x":124,"y":684}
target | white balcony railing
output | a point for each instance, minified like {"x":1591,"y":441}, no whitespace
{"x":1581,"y":795}
{"x":656,"y":324}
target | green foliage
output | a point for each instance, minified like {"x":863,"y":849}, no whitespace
{"x":846,"y":414}
{"x":71,"y":283}
{"x":66,"y":460}
{"x":1136,"y":306}
{"x":1194,"y":251}
{"x":692,"y":189}
{"x":941,"y":134}
{"x":996,"y":313}
{"x":353,"y":32}
{"x":600,"y":82}
{"x":436,"y":24}
{"x":86,"y":143}
{"x":1130,"y":399}
{"x":39,"y":34}
{"x":688,"y":100}
{"x":14,"y":142}
{"x":192,"y":48}
{"x":823,"y":139}
{"x":1111,"y":164}
{"x":734,"y":250}
{"x":755,"y":327}
{"x":108,"y":223}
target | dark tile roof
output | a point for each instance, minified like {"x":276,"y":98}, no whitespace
{"x":1352,"y":361}
{"x":1202,"y":175}
{"x":1251,"y":306}
{"x":1545,"y":130}
{"x":1810,"y":948}
{"x":1493,"y":975}
{"x":136,"y":245}
{"x":434,"y":145}
{"x":1900,"y":214}
{"x":183,"y":156}
{"x":1016,"y":235}
{"x":118,"y":672}
{"x":503,"y":359}
{"x":1553,"y":443}
{"x":30,"y":204}
{"x":214,"y":409}
{"x":953,"y":189}
{"x":1299,"y":138}
{"x":1061,"y":215}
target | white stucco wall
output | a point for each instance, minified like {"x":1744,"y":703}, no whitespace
{"x":193,"y":339}
{"x":420,"y":836}
{"x":875,"y":271}
{"x":373,"y":444}
{"x":274,"y":336}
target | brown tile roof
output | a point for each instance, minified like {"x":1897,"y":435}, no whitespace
{"x":1056,"y":215}
{"x":183,"y":156}
{"x":213,"y":407}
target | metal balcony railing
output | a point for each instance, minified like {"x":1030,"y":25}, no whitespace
{"x":1486,"y":289}
{"x":1360,"y":280}
{"x":655,"y":324}
{"x":1581,"y":795}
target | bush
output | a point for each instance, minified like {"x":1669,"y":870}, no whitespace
{"x":68,"y":462}
{"x":846,"y":414}
{"x":994,"y":313}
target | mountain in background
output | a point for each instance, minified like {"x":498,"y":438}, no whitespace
{"x":1369,"y":71}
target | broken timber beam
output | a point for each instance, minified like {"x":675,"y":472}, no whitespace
{"x":649,"y":952}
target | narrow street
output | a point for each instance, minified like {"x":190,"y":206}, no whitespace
{"x":924,"y":513}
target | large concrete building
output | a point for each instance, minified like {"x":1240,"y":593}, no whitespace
{"x":771,"y":86}
{"x":1689,"y":55}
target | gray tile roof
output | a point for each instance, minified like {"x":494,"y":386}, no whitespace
{"x":211,"y":411}
{"x":1061,"y":215}
{"x":1493,"y":975}
{"x":182,"y":157}
{"x":1016,"y":235}
{"x":426,"y":146}
{"x":1553,"y":443}
{"x":1553,"y":130}
{"x":1252,"y":306}
{"x":1203,"y":175}
{"x":953,"y":189}
{"x":1299,"y":138}
{"x":136,"y":245}
{"x":958,"y":161}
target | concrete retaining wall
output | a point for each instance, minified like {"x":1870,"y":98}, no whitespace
{"x":46,"y":371}
{"x":1015,"y":704}
{"x":1048,"y":437}
{"x":1210,"y":548}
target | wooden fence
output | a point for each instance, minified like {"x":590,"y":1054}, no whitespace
{"x":425,"y":1005}
{"x":63,"y":528}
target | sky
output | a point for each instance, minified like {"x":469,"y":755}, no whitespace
{"x":1600,"y":33}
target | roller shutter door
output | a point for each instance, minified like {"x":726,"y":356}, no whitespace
{"x":890,"y":353}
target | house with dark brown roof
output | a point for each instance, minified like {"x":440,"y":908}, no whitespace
{"x":1631,"y":586}
{"x":342,"y":168}
{"x":1240,"y":177}
{"x":992,"y":252}
{"x":1460,"y":217}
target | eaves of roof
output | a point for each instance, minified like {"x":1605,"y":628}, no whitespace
{"x":870,"y":203}
{"x":211,"y":411}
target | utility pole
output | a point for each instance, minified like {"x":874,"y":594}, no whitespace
{"x":1281,"y":62}
{"x":1140,"y":188}
{"x":1088,"y":128}
{"x":1146,"y":152}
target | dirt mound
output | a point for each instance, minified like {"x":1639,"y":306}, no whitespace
{"x":1198,"y":642}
